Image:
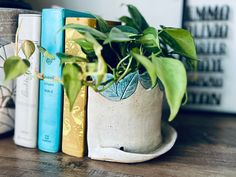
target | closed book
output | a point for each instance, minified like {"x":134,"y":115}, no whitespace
{"x":27,"y":86}
{"x":8,"y":26}
{"x":51,"y":92}
{"x":74,"y":122}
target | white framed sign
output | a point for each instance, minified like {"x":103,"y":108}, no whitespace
{"x":212,"y":24}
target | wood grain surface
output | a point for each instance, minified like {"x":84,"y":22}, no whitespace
{"x":206,"y":147}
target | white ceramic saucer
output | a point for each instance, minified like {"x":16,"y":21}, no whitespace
{"x":169,"y":136}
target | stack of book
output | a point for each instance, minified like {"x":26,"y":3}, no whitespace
{"x":43,"y":119}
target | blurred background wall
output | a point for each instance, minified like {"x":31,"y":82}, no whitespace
{"x":168,"y":12}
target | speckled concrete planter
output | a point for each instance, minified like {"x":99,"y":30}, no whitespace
{"x":128,"y":130}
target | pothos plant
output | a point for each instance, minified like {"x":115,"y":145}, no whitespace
{"x":121,"y":56}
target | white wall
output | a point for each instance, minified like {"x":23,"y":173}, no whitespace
{"x":168,"y":12}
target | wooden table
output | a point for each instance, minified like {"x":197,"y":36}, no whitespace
{"x":206,"y":146}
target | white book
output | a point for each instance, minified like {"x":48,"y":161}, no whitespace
{"x":27,"y":86}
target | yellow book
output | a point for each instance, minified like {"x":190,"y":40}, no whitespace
{"x":74,"y":122}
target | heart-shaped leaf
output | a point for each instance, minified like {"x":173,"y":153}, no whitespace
{"x":173,"y":76}
{"x":72,"y":83}
{"x":123,"y":89}
{"x":180,"y":40}
{"x":28,"y":48}
{"x":45,"y":53}
{"x":86,"y":46}
{"x":129,"y":22}
{"x":148,"y":65}
{"x":150,"y":43}
{"x":117,"y":35}
{"x":151,"y":30}
{"x":102,"y":25}
{"x":137,"y":17}
{"x":14,"y":66}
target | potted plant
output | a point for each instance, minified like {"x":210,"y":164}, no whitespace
{"x":127,"y":69}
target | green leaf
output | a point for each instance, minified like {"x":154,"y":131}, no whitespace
{"x":151,"y":30}
{"x":101,"y":64}
{"x":70,"y":58}
{"x":117,"y":35}
{"x":129,"y":22}
{"x":45,"y":53}
{"x":28,"y":48}
{"x":72,"y":83}
{"x":129,"y":31}
{"x":150,"y":43}
{"x":147,"y":65}
{"x":145,"y":80}
{"x":180,"y":40}
{"x":102,"y":25}
{"x":137,"y":17}
{"x":150,"y":39}
{"x":85,"y":45}
{"x":14,"y":66}
{"x":83,"y":29}
{"x":173,"y":76}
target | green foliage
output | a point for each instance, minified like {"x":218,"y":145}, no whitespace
{"x":148,"y":66}
{"x":45,"y":53}
{"x":28,"y":48}
{"x":136,"y":21}
{"x":83,"y":29}
{"x":102,"y":25}
{"x":72,"y":82}
{"x":64,"y":58}
{"x":101,"y":64}
{"x":86,"y":46}
{"x":180,"y":41}
{"x":150,"y":40}
{"x":172,"y":74}
{"x":116,"y":35}
{"x":120,"y":56}
{"x":15,"y":66}
{"x":137,"y":17}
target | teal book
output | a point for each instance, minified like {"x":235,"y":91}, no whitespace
{"x":51,"y":93}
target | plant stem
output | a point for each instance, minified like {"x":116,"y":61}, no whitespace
{"x":107,"y":86}
{"x":121,"y":61}
{"x":127,"y":70}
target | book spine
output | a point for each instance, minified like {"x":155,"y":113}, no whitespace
{"x":74,"y":122}
{"x":50,"y":92}
{"x":26,"y":111}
